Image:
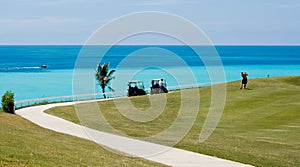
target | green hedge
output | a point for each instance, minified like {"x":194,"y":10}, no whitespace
{"x":8,"y":102}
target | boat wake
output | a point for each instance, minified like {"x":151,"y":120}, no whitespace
{"x":41,"y":68}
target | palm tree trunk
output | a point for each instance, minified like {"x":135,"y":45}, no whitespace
{"x":103,"y":91}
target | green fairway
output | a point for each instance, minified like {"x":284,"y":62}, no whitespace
{"x":24,"y":144}
{"x":259,"y":126}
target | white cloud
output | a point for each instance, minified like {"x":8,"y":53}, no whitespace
{"x":287,"y":6}
{"x":162,"y":2}
{"x":47,"y":20}
{"x":50,"y":20}
{"x":45,"y":30}
{"x":49,"y":2}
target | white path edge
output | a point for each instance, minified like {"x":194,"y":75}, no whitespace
{"x":169,"y":156}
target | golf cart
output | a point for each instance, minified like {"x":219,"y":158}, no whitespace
{"x":158,"y":86}
{"x":136,"y":88}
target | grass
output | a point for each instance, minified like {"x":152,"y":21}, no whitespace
{"x":259,"y":126}
{"x":23,"y":143}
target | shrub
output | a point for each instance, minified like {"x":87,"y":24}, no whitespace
{"x":8,"y":102}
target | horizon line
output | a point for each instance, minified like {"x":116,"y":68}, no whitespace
{"x":218,"y":44}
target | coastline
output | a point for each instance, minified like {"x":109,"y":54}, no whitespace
{"x":59,"y":82}
{"x":111,"y":95}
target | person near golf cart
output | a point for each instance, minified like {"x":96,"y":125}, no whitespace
{"x":158,"y":86}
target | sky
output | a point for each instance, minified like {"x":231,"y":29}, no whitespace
{"x":225,"y":22}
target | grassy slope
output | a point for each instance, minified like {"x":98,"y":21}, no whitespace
{"x":259,"y":126}
{"x":24,"y":144}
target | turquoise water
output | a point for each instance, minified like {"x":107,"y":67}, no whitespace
{"x":20,"y":69}
{"x":37,"y":85}
{"x":59,"y":82}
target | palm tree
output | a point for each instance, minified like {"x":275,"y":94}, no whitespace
{"x":104,"y":76}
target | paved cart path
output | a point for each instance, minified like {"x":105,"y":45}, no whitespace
{"x":154,"y":152}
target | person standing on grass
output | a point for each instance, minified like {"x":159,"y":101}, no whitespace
{"x":244,"y":80}
{"x":160,"y":83}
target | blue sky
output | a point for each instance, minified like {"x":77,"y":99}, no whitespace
{"x":229,"y":22}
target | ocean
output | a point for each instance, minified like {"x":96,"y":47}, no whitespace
{"x":21,"y":71}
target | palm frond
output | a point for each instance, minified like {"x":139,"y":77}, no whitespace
{"x":110,"y":88}
{"x":111,"y":73}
